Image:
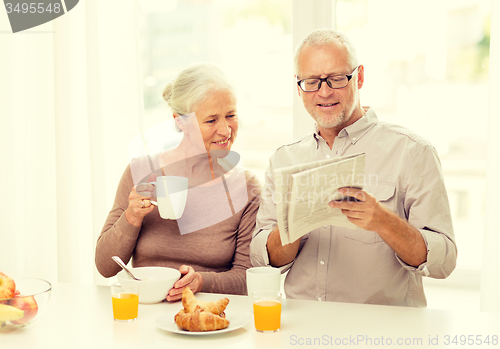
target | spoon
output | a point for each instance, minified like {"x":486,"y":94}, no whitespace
{"x":119,"y":261}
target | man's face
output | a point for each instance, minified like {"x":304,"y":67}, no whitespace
{"x":331,"y":108}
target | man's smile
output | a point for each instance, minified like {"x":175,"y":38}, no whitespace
{"x":327,"y":105}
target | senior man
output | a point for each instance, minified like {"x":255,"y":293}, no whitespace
{"x":404,"y":223}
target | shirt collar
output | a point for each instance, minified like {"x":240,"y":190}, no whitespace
{"x":355,"y":131}
{"x":316,"y":135}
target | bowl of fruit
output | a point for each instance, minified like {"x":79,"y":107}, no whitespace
{"x":22,"y":301}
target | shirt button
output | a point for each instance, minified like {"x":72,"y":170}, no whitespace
{"x":354,"y":139}
{"x":328,"y":156}
{"x":322,"y":262}
{"x":319,"y":298}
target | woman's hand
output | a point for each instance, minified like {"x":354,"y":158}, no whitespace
{"x":191,"y":278}
{"x":138,"y":202}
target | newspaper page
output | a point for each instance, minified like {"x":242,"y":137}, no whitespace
{"x":304,"y":191}
{"x":282,"y":180}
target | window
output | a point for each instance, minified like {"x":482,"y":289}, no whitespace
{"x":426,"y":68}
{"x":250,"y":40}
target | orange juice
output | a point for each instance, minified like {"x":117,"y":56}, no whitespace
{"x":267,"y":315}
{"x":125,"y":306}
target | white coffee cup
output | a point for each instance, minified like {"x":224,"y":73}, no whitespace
{"x":171,"y":195}
{"x":263,"y":279}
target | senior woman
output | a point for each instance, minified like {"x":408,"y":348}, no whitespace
{"x":209,"y":244}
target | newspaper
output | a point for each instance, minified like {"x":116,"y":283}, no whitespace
{"x":304,"y":191}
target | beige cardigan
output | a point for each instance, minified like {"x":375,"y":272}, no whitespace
{"x":220,"y":252}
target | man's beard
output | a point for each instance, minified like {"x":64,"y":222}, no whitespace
{"x":329,"y":122}
{"x":338,"y":120}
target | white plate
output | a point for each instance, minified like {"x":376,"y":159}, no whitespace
{"x":236,"y":320}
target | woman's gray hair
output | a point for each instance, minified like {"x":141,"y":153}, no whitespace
{"x":326,"y":36}
{"x":193,"y":85}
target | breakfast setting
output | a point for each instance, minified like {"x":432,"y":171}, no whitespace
{"x":149,"y":285}
{"x":135,"y":301}
{"x":30,"y":309}
{"x":251,"y":174}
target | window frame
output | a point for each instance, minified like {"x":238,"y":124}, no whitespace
{"x":322,"y":13}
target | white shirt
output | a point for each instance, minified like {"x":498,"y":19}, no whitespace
{"x":402,"y":170}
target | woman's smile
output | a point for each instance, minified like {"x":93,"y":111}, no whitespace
{"x":223,"y":143}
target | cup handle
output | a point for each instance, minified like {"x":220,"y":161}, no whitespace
{"x":154,"y":195}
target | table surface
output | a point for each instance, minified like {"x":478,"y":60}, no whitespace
{"x":80,"y":316}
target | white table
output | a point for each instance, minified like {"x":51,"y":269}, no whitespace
{"x":80,"y":316}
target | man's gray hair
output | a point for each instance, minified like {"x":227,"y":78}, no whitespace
{"x":326,"y":36}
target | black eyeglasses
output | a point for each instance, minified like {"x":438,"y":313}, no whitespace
{"x":334,"y":81}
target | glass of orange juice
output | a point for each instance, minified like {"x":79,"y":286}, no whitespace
{"x":267,"y":310}
{"x":125,"y":300}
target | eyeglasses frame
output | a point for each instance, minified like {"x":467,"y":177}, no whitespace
{"x":321,"y":80}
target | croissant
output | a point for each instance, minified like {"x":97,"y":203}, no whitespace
{"x":200,"y":321}
{"x":190,"y":303}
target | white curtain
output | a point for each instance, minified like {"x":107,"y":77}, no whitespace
{"x":490,"y":274}
{"x":70,"y":103}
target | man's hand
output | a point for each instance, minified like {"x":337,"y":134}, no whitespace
{"x":362,"y":209}
{"x":365,"y":211}
{"x":280,"y":255}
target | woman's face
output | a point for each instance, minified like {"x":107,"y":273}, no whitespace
{"x":218,"y":122}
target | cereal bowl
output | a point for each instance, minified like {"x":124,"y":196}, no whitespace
{"x":31,"y":299}
{"x":155,"y":282}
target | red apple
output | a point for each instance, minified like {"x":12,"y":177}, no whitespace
{"x":7,"y":287}
{"x":17,"y":293}
{"x":28,"y":305}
